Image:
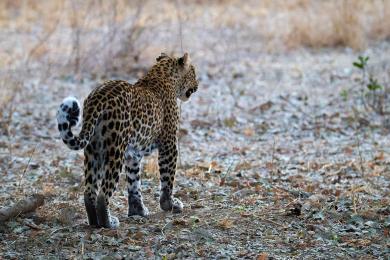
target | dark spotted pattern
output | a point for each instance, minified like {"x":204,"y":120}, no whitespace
{"x":121,"y":124}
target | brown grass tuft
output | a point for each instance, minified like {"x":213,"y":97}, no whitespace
{"x":289,"y":24}
{"x":332,"y":23}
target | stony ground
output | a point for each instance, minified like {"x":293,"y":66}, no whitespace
{"x":274,"y":163}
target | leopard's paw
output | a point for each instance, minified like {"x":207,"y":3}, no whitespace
{"x":171,"y":204}
{"x":137,"y":208}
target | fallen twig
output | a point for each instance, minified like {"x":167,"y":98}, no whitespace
{"x":23,"y":206}
{"x":28,"y":164}
{"x":33,"y":226}
{"x":271,"y":221}
{"x":162,"y":230}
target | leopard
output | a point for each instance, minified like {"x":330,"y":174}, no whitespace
{"x":121,"y":124}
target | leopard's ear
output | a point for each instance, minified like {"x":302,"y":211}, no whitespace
{"x":162,"y":56}
{"x":185,"y":60}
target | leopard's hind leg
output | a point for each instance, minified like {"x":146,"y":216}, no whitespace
{"x":91,"y":165}
{"x":112,"y":167}
{"x":135,"y":200}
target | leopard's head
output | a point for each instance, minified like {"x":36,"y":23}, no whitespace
{"x":183,"y":72}
{"x":188,"y":85}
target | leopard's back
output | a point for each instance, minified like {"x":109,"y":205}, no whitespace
{"x":132,"y":112}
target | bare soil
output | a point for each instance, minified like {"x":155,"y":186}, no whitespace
{"x":274,"y":162}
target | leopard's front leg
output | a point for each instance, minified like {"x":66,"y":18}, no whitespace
{"x":167,"y":157}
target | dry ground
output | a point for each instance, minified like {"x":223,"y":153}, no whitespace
{"x":274,"y":162}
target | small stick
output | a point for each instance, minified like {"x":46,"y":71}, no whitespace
{"x":273,"y":156}
{"x":28,"y":163}
{"x":162,"y":230}
{"x":360,"y":156}
{"x":33,"y":226}
{"x":354,"y":199}
{"x":272,"y":222}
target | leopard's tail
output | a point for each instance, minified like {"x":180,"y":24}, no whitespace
{"x":68,"y":115}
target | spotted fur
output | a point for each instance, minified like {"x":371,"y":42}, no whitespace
{"x":122,"y":123}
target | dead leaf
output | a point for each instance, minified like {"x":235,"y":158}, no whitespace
{"x":348,"y":150}
{"x":214,"y":168}
{"x":249,"y":132}
{"x":180,"y":222}
{"x":314,"y":166}
{"x":213,"y":164}
{"x":225,"y":223}
{"x":233,"y":183}
{"x":138,"y":235}
{"x":263,"y":107}
{"x":269,"y":165}
{"x":358,"y":242}
{"x":149,"y":252}
{"x":262,"y":256}
{"x":182,"y":132}
{"x":246,"y":214}
{"x":200,"y":124}
{"x":243,"y":166}
{"x":109,"y":232}
{"x":379,"y":157}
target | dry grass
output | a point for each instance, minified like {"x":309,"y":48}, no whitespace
{"x":289,"y":24}
{"x":76,"y":35}
{"x":97,"y":37}
{"x":352,"y":23}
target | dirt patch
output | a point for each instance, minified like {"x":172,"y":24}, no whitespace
{"x":274,"y":162}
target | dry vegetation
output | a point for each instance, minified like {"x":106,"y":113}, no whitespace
{"x":96,"y":36}
{"x":274,"y":163}
{"x":353,"y":23}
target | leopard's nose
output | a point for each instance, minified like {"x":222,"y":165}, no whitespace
{"x":189,"y":92}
